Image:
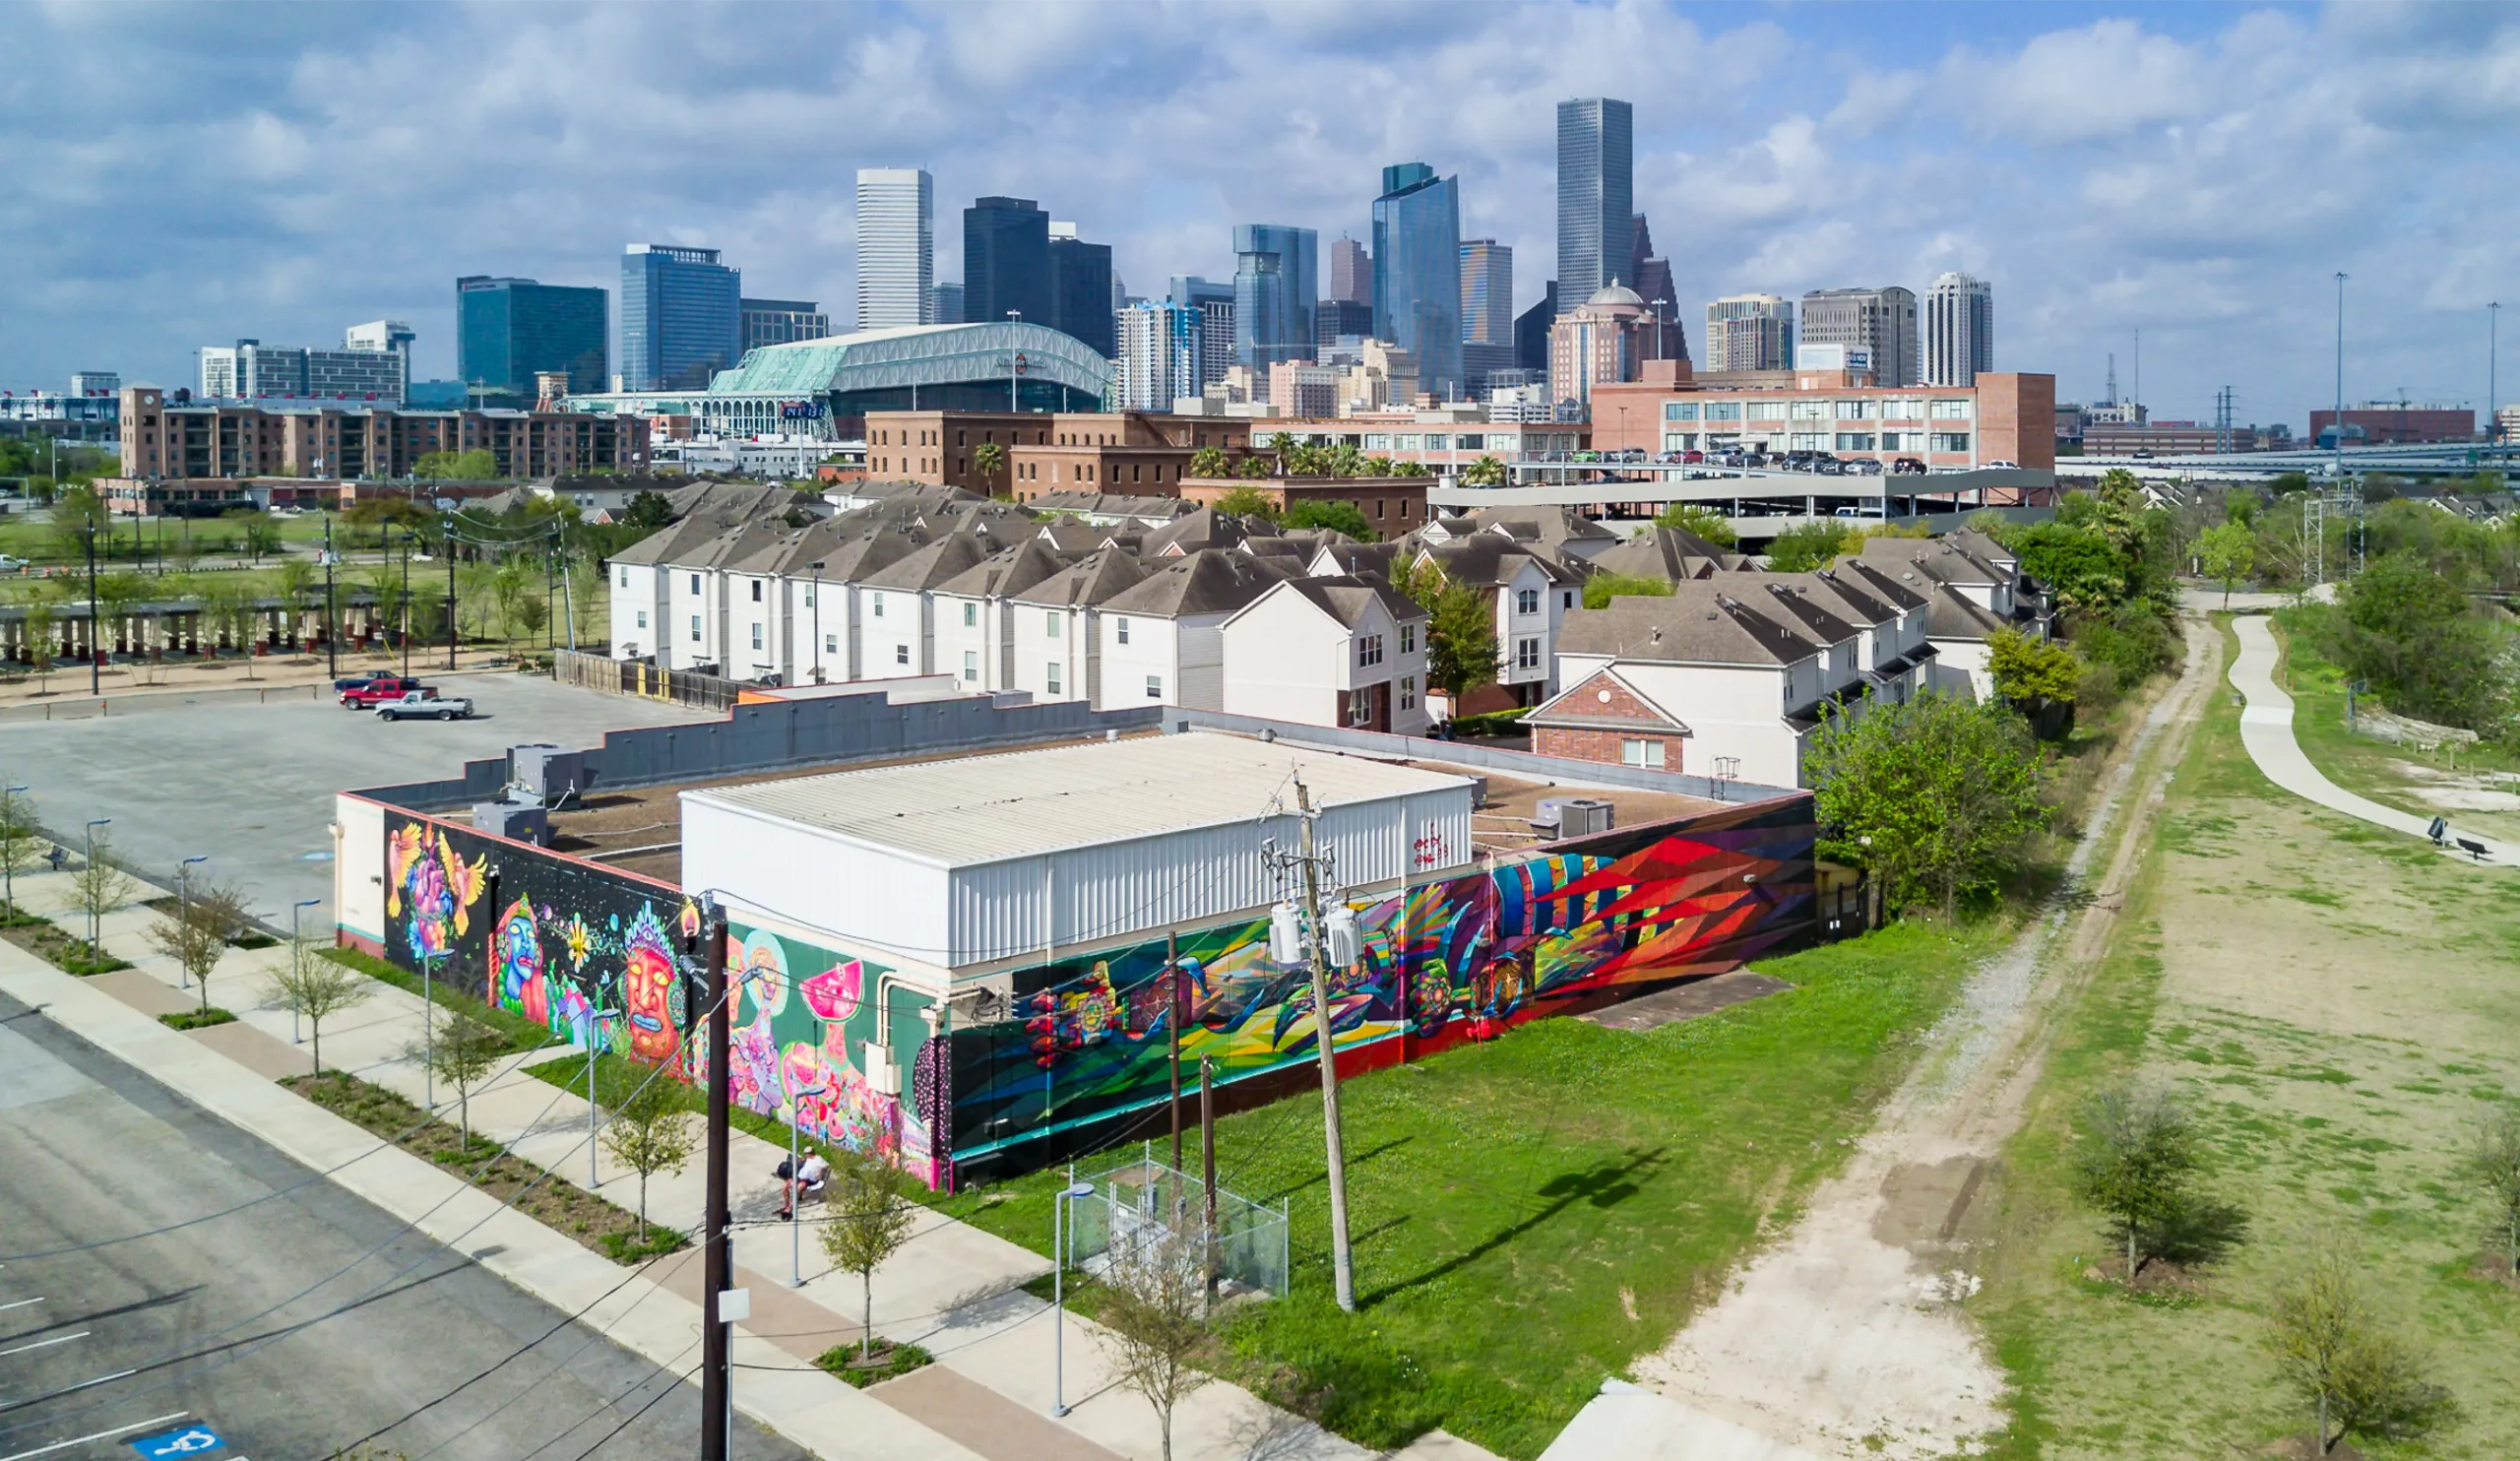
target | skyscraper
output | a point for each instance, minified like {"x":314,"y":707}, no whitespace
{"x":1487,"y":292}
{"x":1160,"y":356}
{"x":681,"y":317}
{"x":1595,"y":197}
{"x":1531,"y":332}
{"x":896,"y":246}
{"x":1417,"y":271}
{"x":1882,"y":321}
{"x":1749,"y":332}
{"x":509,"y":330}
{"x":782,"y":321}
{"x":945,"y":304}
{"x":1275,"y":285}
{"x":1006,"y":261}
{"x":1669,"y":340}
{"x":1959,"y":329}
{"x":1081,"y":289}
{"x":1214,"y":300}
{"x":1352,"y":273}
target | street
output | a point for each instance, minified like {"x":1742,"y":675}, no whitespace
{"x":288,"y":1327}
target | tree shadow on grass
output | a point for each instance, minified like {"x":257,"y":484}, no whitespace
{"x":2201,"y":1230}
{"x":1604,"y":1184}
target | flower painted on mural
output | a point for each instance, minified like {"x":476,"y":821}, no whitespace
{"x":424,"y":873}
{"x":648,"y":980}
{"x":521,"y":978}
{"x":834,"y":994}
{"x":578,"y":940}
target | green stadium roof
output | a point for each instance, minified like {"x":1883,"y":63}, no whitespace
{"x":915,"y":355}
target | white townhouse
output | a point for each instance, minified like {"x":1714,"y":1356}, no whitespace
{"x":1345,"y":652}
{"x":897,"y":630}
{"x":1057,"y":625}
{"x":977,"y":619}
{"x":1531,"y":595}
{"x":1160,"y":641}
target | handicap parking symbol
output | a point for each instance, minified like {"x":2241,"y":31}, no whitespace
{"x":188,"y":1441}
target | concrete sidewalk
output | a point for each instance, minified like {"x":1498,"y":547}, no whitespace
{"x":2266,"y":730}
{"x":952,"y":1288}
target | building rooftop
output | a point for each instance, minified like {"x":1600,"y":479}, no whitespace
{"x":980,"y":810}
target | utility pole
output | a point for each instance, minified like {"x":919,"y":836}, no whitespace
{"x":2493,"y":365}
{"x":2340,"y":375}
{"x":331,"y":608}
{"x":1172,"y":1027}
{"x":716,"y":1353}
{"x":1342,"y":1262}
{"x":1208,"y":1167}
{"x":450,"y":593}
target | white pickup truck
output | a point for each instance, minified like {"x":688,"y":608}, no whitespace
{"x":425,"y":705}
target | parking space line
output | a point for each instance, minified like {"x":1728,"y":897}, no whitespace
{"x":43,"y":1342}
{"x":63,"y":1446}
{"x":18,"y":1304}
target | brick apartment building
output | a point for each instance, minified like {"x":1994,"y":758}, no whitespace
{"x":198,"y":440}
{"x":1392,"y":505}
{"x":1130,"y":452}
{"x":2386,"y":424}
{"x":2006,"y":418}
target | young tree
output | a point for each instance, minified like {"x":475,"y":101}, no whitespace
{"x":2033,"y":672}
{"x":2137,"y":1155}
{"x":1487,"y":472}
{"x":478,"y":464}
{"x":77,"y":512}
{"x":648,"y":509}
{"x":871,"y":1216}
{"x":315,"y":988}
{"x":1701,"y":520}
{"x":41,"y":627}
{"x":461,"y":1055}
{"x":1939,"y":792}
{"x":2492,"y":1163}
{"x":1155,"y":1305}
{"x":21,"y":844}
{"x":1248,"y":502}
{"x":1811,"y":545}
{"x":98,"y":889}
{"x":2226,"y":551}
{"x":650,"y":1132}
{"x":2357,"y":1374}
{"x":259,"y":530}
{"x":1602,"y":588}
{"x":1461,"y":640}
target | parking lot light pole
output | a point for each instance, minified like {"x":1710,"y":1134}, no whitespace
{"x":429,"y":1033}
{"x":795,"y":1241}
{"x":594,"y":1024}
{"x":297,"y":953}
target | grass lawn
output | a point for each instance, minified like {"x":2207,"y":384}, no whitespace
{"x":2333,"y":1003}
{"x":1530,"y":1215}
{"x":521,"y":1034}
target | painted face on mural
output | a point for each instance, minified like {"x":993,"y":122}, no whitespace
{"x":647,"y":988}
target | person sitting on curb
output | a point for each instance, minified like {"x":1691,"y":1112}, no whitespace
{"x":806,"y":1181}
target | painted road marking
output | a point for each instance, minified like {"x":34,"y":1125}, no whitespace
{"x":19,"y":1303}
{"x":43,"y":1343}
{"x":187,"y":1440}
{"x":63,"y":1446}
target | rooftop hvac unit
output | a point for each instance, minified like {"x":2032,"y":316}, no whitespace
{"x":1573,"y":816}
{"x":546,"y":772}
{"x":517,"y":821}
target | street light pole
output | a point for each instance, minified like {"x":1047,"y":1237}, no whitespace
{"x":1014,"y":317}
{"x":595,"y":1024}
{"x":1060,"y":1222}
{"x":2340,"y":375}
{"x":407,"y":602}
{"x":95,"y":674}
{"x":94,"y":933}
{"x":429,"y":1033}
{"x":2492,"y":363}
{"x":298,"y":954}
{"x":796,"y":1241}
{"x":332,"y":609}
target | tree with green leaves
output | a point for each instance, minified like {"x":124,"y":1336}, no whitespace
{"x":41,"y":628}
{"x":1409,"y":468}
{"x":1252,"y":503}
{"x":1347,"y":461}
{"x":2407,"y":631}
{"x":1256,"y":466}
{"x":21,"y":844}
{"x":1810,"y":546}
{"x":1602,"y":588}
{"x":1282,"y":445}
{"x":1487,"y":472}
{"x":1343,"y":516}
{"x":1936,"y":796}
{"x":2492,"y":1163}
{"x":651,"y":1131}
{"x":2226,"y":551}
{"x":988,"y":459}
{"x":75,"y":512}
{"x":315,"y":988}
{"x":1209,"y":462}
{"x":99,"y":888}
{"x":2135,"y":1155}
{"x":870,"y":1217}
{"x":2352,"y":1369}
{"x":463,"y":1055}
{"x":648,"y":509}
{"x":1461,"y":640}
{"x":258,"y":530}
{"x":2032,"y":672}
{"x":1155,"y":1305}
{"x":1701,"y":520}
{"x":480,"y":464}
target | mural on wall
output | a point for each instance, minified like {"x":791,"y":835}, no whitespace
{"x":592,"y":954}
{"x":1088,"y":1038}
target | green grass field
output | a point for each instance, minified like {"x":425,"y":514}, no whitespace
{"x":1530,"y":1215}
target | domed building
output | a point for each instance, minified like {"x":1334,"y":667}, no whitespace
{"x":1606,"y":339}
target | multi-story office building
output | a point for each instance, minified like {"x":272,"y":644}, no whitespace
{"x":212,"y":439}
{"x":1418,"y":272}
{"x":2391,"y":424}
{"x":681,"y":317}
{"x":783,"y":321}
{"x":1959,"y":329}
{"x":1081,"y":299}
{"x":1214,"y":300}
{"x":1749,"y":332}
{"x":944,"y":304}
{"x":252,"y":370}
{"x":1334,"y":320}
{"x":896,"y":247}
{"x":1275,"y":285}
{"x":96,"y":383}
{"x":1352,"y":273}
{"x":1654,"y":285}
{"x":1531,"y":332}
{"x":1299,"y":388}
{"x":1882,"y":322}
{"x":1006,"y":261}
{"x":2009,"y":418}
{"x":382,"y":335}
{"x":1595,"y":197}
{"x":1487,"y":292}
{"x":1163,"y":355}
{"x":1600,"y":341}
{"x":508,"y":330}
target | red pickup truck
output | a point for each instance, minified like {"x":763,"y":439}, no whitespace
{"x":377,"y":692}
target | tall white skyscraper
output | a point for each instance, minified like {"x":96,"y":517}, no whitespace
{"x":896,"y":247}
{"x":1959,"y":329}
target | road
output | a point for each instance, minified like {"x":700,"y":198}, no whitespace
{"x":251,"y":786}
{"x":240,"y":1322}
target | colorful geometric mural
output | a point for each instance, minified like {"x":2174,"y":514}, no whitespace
{"x":1089,"y":1039}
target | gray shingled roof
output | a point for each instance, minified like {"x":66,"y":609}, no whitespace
{"x":1952,"y":615}
{"x":1347,"y":599}
{"x":1707,"y":622}
{"x":1206,"y":528}
{"x":1671,"y":554}
{"x":1092,"y":580}
{"x":1007,"y":571}
{"x":935,"y":564}
{"x":1209,"y":581}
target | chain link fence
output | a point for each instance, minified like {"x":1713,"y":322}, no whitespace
{"x":1141,"y":1203}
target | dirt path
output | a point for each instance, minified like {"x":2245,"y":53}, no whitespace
{"x":1845,"y":1339}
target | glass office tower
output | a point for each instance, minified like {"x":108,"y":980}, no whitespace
{"x":1274,"y":291}
{"x":1418,"y":272}
{"x":1595,"y":197}
{"x":681,"y":317}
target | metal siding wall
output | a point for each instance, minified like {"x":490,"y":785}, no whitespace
{"x":850,"y":894}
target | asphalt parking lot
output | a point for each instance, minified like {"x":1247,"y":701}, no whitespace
{"x":251,"y":786}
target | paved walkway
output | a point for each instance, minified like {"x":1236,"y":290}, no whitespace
{"x":953,"y":1288}
{"x":2266,"y":728}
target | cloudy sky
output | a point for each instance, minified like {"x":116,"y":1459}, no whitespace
{"x":180,"y":175}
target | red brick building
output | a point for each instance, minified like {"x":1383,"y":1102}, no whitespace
{"x":197,"y":440}
{"x":2003,"y":418}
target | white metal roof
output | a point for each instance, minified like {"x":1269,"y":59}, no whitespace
{"x":987,"y":809}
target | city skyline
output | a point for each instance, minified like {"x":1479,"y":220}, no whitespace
{"x":2099,"y":151}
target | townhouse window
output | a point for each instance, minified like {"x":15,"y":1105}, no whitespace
{"x":1526,"y":653}
{"x":756,"y":636}
{"x":831,"y":644}
{"x":1408,"y":639}
{"x":1645,"y":753}
{"x":971,"y":667}
{"x":1053,"y":682}
{"x":1526,"y":601}
{"x":1120,"y":628}
{"x":695,"y":628}
{"x":1360,"y":707}
{"x":1051,"y":623}
{"x":643,"y":618}
{"x":1155,"y":687}
{"x":625,"y":578}
{"x":756,"y":591}
{"x":901,"y":653}
{"x":971,"y":616}
{"x":879,"y":604}
{"x":1408,"y":692}
{"x":809,"y":597}
{"x":1369,"y":650}
{"x":1569,"y":598}
{"x":695,"y":583}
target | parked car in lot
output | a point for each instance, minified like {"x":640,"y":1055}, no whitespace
{"x":2000,"y":461}
{"x":11,"y":564}
{"x":425,"y":705}
{"x":1908,"y":467}
{"x":377,"y":689}
{"x":1868,"y":466}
